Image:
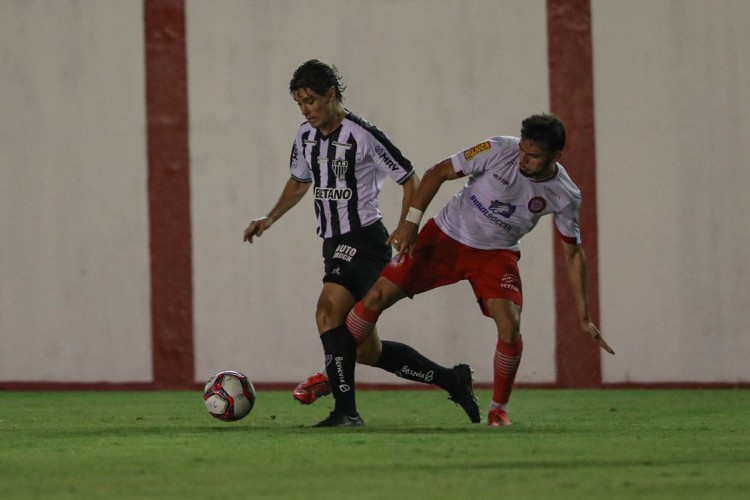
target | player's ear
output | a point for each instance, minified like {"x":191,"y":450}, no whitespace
{"x":331,"y":93}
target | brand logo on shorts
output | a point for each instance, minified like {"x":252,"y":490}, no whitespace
{"x":510,"y":282}
{"x":537,"y":204}
{"x":344,"y":252}
{"x":397,"y":260}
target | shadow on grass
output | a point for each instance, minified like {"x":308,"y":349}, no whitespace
{"x":165,"y":430}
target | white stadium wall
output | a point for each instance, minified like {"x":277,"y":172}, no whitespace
{"x":256,"y":310}
{"x":74,"y":258}
{"x":78,"y":297}
{"x":672,"y":121}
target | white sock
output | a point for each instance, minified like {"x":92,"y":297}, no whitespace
{"x":503,"y":407}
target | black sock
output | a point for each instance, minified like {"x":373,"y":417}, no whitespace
{"x":406,"y":362}
{"x":341,"y":356}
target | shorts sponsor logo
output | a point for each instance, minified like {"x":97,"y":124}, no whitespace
{"x":339,"y":167}
{"x":537,"y":204}
{"x":476,"y":150}
{"x":335,"y":194}
{"x":345,"y":253}
{"x":397,"y":260}
{"x":489,"y":215}
{"x":510,"y":282}
{"x":502,"y":208}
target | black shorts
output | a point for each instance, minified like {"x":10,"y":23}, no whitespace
{"x":355,"y":260}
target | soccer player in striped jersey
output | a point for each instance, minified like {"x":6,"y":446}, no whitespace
{"x":512,"y":183}
{"x":346,"y":161}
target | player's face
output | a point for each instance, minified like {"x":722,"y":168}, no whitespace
{"x":535,"y":161}
{"x":318,"y":110}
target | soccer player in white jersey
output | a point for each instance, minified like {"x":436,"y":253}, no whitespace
{"x":346,"y":160}
{"x":512,"y":183}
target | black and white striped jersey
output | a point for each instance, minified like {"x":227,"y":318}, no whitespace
{"x":347,"y":169}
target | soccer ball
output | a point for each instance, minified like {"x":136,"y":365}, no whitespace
{"x":229,"y":396}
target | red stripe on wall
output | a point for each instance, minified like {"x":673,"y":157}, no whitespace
{"x":572,"y":99}
{"x":169,"y":194}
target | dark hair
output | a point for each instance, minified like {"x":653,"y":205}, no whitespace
{"x":546,"y":130}
{"x":319,"y":77}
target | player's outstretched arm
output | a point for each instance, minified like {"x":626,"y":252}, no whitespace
{"x":405,"y":235}
{"x":596,"y":335}
{"x":292,"y":193}
{"x":409,"y":188}
{"x":575,"y":258}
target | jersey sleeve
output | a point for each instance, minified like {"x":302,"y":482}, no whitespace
{"x":567,"y":222}
{"x":388,"y":158}
{"x":298,"y":166}
{"x":482,"y":156}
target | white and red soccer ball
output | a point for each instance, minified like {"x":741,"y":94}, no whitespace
{"x":229,"y":395}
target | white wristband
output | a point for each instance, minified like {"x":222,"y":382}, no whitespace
{"x":414,"y":215}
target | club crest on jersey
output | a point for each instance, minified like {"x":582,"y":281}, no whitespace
{"x":502,"y":208}
{"x":537,"y":204}
{"x":339,"y":167}
{"x":476,"y":150}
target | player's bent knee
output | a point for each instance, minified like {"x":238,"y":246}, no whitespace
{"x":508,"y":336}
{"x":327,"y":317}
{"x":367,"y":355}
{"x":380,"y":298}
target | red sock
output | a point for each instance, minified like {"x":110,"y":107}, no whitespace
{"x":507,"y":359}
{"x":361,"y":321}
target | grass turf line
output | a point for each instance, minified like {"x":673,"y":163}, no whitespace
{"x":416,"y":444}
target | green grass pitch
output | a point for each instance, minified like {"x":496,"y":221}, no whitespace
{"x":602,"y":444}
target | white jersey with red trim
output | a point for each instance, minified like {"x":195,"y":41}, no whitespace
{"x":498,"y":205}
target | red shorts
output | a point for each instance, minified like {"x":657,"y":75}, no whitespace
{"x":439,"y":260}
